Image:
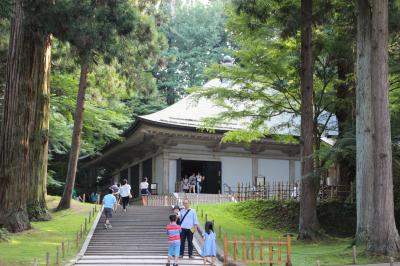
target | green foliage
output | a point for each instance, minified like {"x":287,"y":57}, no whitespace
{"x":336,"y":219}
{"x":4,"y":235}
{"x":265,"y":80}
{"x":196,"y":38}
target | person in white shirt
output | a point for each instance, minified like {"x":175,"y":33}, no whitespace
{"x":144,"y":190}
{"x":198,"y":181}
{"x":192,"y":183}
{"x":125,"y":193}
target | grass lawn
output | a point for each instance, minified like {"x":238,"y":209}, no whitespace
{"x":46,"y":236}
{"x":332,"y":251}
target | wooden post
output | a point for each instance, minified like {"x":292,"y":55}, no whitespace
{"x":90,"y":216}
{"x":35,"y":263}
{"x":202,"y":214}
{"x":58,"y":256}
{"x":288,"y":254}
{"x":77,"y":239}
{"x":225,"y":249}
{"x":243,"y":248}
{"x":318,"y":263}
{"x":85,"y":225}
{"x":95,"y":208}
{"x":252,"y":247}
{"x":271,"y":255}
{"x":84,"y":197}
{"x":62,"y":249}
{"x":235,"y":249}
{"x":391,"y":261}
{"x":81,"y":232}
{"x":279,"y":250}
{"x":354,"y":254}
{"x":47,"y":259}
{"x":206,"y":217}
{"x":261,"y":248}
{"x":219,"y":231}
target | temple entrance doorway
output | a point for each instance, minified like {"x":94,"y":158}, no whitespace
{"x":210,"y":169}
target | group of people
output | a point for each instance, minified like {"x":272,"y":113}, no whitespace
{"x":182,"y":226}
{"x":193,"y":184}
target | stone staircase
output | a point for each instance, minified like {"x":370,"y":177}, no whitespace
{"x":138,"y":237}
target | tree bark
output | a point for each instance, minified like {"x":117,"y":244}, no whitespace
{"x":384,"y":238}
{"x":308,"y":224}
{"x":364,"y":126}
{"x":15,"y":133}
{"x":37,"y":208}
{"x":345,"y":115}
{"x":65,"y":202}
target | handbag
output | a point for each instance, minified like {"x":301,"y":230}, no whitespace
{"x":130,"y":195}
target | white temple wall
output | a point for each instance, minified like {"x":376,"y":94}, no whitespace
{"x":298,"y":170}
{"x":274,"y":170}
{"x":236,"y":170}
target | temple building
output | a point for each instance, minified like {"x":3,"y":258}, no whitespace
{"x":167,"y":145}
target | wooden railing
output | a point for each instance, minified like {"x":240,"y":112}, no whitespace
{"x":290,"y":191}
{"x":257,"y":251}
{"x":162,"y":200}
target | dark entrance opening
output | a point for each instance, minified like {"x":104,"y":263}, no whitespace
{"x":210,"y":169}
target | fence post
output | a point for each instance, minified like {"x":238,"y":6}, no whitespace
{"x":85,"y":225}
{"x":261,"y":248}
{"x":252,"y":247}
{"x":288,"y":250}
{"x":47,"y":259}
{"x":84,"y":197}
{"x":35,"y":263}
{"x":391,"y":261}
{"x":58,"y":256}
{"x":354,"y":254}
{"x":77,"y":239}
{"x":243,"y":248}
{"x":318,"y":263}
{"x":219,"y":232}
{"x":225,"y":249}
{"x":63,"y":249}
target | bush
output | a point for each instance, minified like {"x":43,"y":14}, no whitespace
{"x":4,"y":235}
{"x":336,"y":218}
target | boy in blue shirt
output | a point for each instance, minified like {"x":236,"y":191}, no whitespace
{"x":110,"y":204}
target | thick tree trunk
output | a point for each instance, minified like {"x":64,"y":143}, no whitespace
{"x":384,"y":238}
{"x":15,"y":133}
{"x":345,"y":115}
{"x":364,"y":126}
{"x":308,"y":224}
{"x":65,"y":202}
{"x":37,"y":208}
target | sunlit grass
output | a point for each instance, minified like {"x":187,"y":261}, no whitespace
{"x":330,"y":251}
{"x":46,"y":236}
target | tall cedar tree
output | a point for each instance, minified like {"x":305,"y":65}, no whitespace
{"x":23,"y":142}
{"x":308,"y":224}
{"x":94,"y":29}
{"x":375,"y":211}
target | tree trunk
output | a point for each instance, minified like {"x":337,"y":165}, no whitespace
{"x":308,"y":224}
{"x":384,"y":238}
{"x":37,"y":208}
{"x":65,"y":202}
{"x":345,"y":114}
{"x":364,"y":126}
{"x":15,"y":133}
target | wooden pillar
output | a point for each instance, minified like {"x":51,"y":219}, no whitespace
{"x":165,"y":174}
{"x":140,"y":171}
{"x":292,"y":171}
{"x":254,"y":169}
